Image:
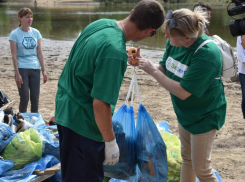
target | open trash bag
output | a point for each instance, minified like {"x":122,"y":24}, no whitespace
{"x":151,"y":149}
{"x":6,"y":135}
{"x":124,"y":128}
{"x":24,"y":148}
{"x":173,"y":152}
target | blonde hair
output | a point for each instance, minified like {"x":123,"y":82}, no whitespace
{"x":23,"y":12}
{"x":188,"y":23}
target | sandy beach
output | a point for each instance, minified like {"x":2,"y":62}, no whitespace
{"x":229,"y":146}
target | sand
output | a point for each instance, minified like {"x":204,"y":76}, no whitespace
{"x":229,"y":147}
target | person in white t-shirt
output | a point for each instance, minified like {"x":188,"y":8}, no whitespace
{"x":241,"y":69}
{"x":27,"y":56}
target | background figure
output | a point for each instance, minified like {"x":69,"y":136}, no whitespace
{"x":89,"y":84}
{"x":206,"y":8}
{"x":198,"y":98}
{"x":27,"y":56}
{"x":241,"y":69}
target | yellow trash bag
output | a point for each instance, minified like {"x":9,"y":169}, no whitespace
{"x":24,"y":148}
{"x":174,"y":156}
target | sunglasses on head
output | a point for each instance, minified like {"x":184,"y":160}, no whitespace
{"x":172,"y":22}
{"x":153,"y":33}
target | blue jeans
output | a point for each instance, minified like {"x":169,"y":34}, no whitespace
{"x":81,"y":158}
{"x":242,"y":82}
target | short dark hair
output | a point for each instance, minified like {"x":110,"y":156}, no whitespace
{"x":202,"y":5}
{"x":148,"y":14}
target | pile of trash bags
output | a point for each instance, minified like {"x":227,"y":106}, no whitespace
{"x":27,"y":144}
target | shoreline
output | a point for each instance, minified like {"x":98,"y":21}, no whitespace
{"x":60,"y":2}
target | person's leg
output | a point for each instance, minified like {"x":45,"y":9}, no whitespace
{"x":81,"y":158}
{"x":201,"y":149}
{"x":59,"y":127}
{"x":24,"y":90}
{"x":242,"y":82}
{"x":34,"y":82}
{"x":187,"y":173}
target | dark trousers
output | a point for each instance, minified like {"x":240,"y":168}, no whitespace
{"x":242,"y":82}
{"x":31,"y":83}
{"x":81,"y":158}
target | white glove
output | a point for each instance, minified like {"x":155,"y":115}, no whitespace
{"x":111,"y":153}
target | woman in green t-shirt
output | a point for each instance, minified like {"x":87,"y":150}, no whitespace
{"x":198,"y":98}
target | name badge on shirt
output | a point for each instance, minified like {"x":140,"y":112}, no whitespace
{"x":176,"y":67}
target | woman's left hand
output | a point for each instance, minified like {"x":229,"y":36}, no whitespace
{"x":45,"y":77}
{"x":147,"y":66}
{"x":130,"y":57}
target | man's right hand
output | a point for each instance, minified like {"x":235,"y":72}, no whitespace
{"x":111,"y":153}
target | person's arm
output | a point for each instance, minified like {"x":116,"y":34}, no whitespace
{"x":243,"y":41}
{"x":160,"y":67}
{"x":242,"y":47}
{"x":102,"y":114}
{"x":41,"y":60}
{"x":159,"y":74}
{"x":18,"y":78}
{"x":240,"y":50}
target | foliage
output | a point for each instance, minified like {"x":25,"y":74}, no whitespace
{"x":2,"y":1}
{"x":107,"y":2}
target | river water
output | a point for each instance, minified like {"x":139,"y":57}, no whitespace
{"x":66,"y":21}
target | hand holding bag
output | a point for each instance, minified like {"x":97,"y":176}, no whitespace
{"x":124,"y":128}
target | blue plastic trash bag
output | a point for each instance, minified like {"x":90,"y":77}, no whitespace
{"x":124,"y":128}
{"x":25,"y":174}
{"x":6,"y":135}
{"x":117,"y":180}
{"x":35,"y":119}
{"x":151,"y":149}
{"x":164,"y":126}
{"x":5,"y":165}
{"x":216,"y":174}
{"x":50,"y":141}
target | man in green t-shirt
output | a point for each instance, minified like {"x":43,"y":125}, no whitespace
{"x":89,"y":84}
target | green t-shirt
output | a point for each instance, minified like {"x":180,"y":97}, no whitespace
{"x":205,"y":109}
{"x":94,"y":69}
